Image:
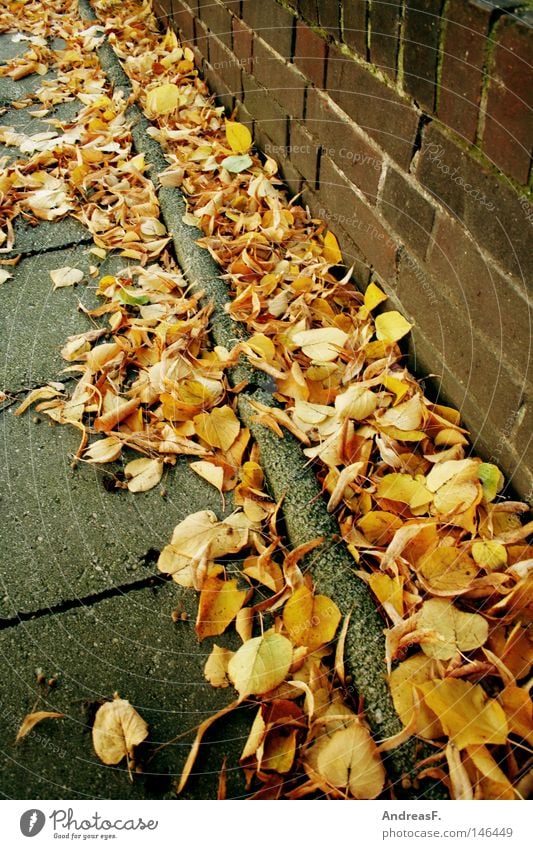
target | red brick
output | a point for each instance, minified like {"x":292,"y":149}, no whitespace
{"x":308,"y":9}
{"x":217,"y":18}
{"x":242,"y":42}
{"x":354,"y":25}
{"x":310,"y":54}
{"x":384,"y":36}
{"x":163,"y":11}
{"x":490,"y":301}
{"x":264,"y":110}
{"x":183,"y":20}
{"x":390,"y":119}
{"x":361,"y":223}
{"x":344,"y":142}
{"x":303,"y":152}
{"x":329,"y":18}
{"x":463,"y":56}
{"x":218,"y":86}
{"x":284,"y":82}
{"x":490,"y":209}
{"x":225,"y":65}
{"x":201,"y":38}
{"x":271,"y":22}
{"x":408,"y":212}
{"x":420,"y":48}
{"x":509,"y":114}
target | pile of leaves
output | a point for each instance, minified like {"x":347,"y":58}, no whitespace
{"x":445,"y":556}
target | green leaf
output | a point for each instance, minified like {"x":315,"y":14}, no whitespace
{"x":127,"y":297}
{"x":236,"y":164}
{"x":491,"y":479}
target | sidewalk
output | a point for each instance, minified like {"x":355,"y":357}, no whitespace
{"x":82,"y":599}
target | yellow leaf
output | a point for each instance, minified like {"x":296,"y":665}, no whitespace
{"x":219,"y":603}
{"x":494,"y":783}
{"x":44,"y":393}
{"x":331,"y":251}
{"x":239,"y":137}
{"x":404,"y":681}
{"x":397,"y":387}
{"x":143,"y":474}
{"x":491,"y":479}
{"x":387,"y":589}
{"x":490,"y":555}
{"x":310,"y":620}
{"x":350,"y":760}
{"x":220,"y":428}
{"x":373,"y":296}
{"x":455,"y":630}
{"x":519,"y":710}
{"x":322,"y":344}
{"x":356,"y":403}
{"x":447,"y":570}
{"x":31,"y":719}
{"x":209,"y":472}
{"x":466,"y":713}
{"x":279,"y":751}
{"x":379,"y":526}
{"x":391,"y":326}
{"x":216,"y":666}
{"x":163,"y":99}
{"x":404,"y":488}
{"x":260,"y":664}
{"x":117,"y":729}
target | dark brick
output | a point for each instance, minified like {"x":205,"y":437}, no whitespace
{"x":359,"y":221}
{"x":491,"y":302}
{"x":242,"y":115}
{"x":421,"y":39}
{"x":354,"y":25}
{"x":201,"y":38}
{"x":384,"y":35}
{"x":461,"y":356}
{"x":289,"y":174}
{"x":303,"y":151}
{"x":509,"y":113}
{"x":218,"y":86}
{"x":163,"y":11}
{"x":329,"y":18}
{"x":284,"y":82}
{"x":463,"y":56}
{"x":489,"y":208}
{"x":225,"y":65}
{"x":391,"y":120}
{"x":218,"y":19}
{"x":243,"y":38}
{"x":407,"y":211}
{"x":183,"y":20}
{"x":310,"y":54}
{"x":264,"y":110}
{"x":308,"y":9}
{"x":344,"y":142}
{"x":272,"y":22}
{"x":233,"y":5}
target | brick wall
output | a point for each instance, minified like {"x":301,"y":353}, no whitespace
{"x":408,"y":127}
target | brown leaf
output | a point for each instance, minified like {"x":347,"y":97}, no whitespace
{"x":31,"y":719}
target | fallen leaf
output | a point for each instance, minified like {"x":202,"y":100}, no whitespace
{"x":260,"y":664}
{"x":404,"y":682}
{"x":350,"y":760}
{"x":447,"y":571}
{"x":65,"y":276}
{"x":391,"y":326}
{"x":219,"y":603}
{"x":163,"y":99}
{"x":117,"y":729}
{"x":466,"y":713}
{"x":322,"y":344}
{"x":209,"y":472}
{"x":31,"y":719}
{"x":454,"y":630}
{"x":216,"y":666}
{"x":310,"y":620}
{"x":239,"y":137}
{"x":104,"y":450}
{"x":143,"y":474}
{"x":373,"y":296}
{"x":219,"y":429}
{"x":331,"y":251}
{"x":237,"y":164}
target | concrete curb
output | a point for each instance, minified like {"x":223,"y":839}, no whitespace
{"x":306,"y":517}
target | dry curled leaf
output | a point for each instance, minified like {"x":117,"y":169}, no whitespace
{"x":32,"y":719}
{"x":117,"y":729}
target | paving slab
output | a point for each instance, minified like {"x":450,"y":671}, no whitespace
{"x":47,"y":235}
{"x":35,"y":320}
{"x":11,"y":47}
{"x":22,"y":122}
{"x":130,"y":645}
{"x":68,"y":533}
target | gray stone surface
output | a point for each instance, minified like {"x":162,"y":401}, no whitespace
{"x":130,"y":645}
{"x":68,"y":533}
{"x":35,"y":320}
{"x":9,"y":48}
{"x":47,"y":235}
